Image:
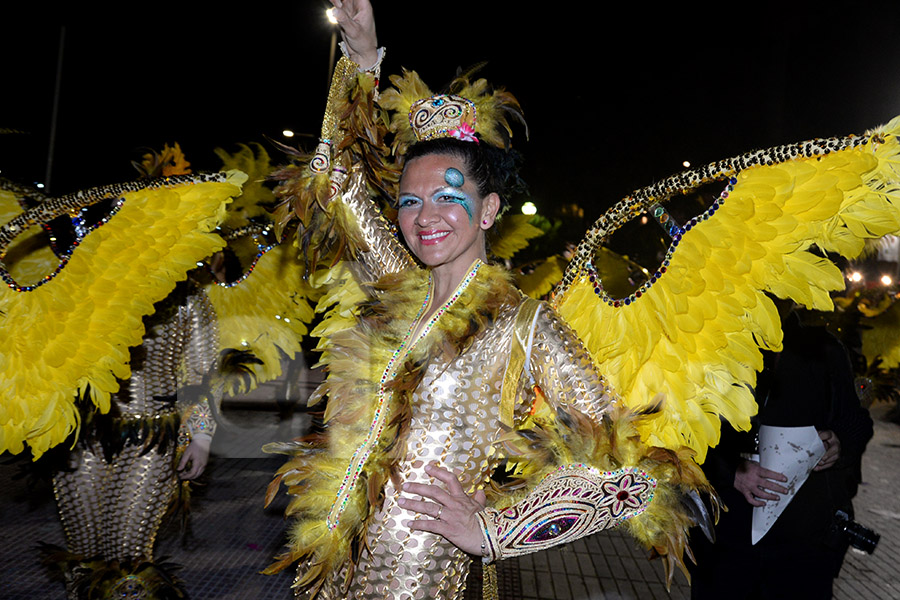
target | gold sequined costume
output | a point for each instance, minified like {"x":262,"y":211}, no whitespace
{"x":490,"y":362}
{"x":113,"y":497}
{"x":109,"y":342}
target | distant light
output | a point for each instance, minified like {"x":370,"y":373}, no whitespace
{"x":686,"y":164}
{"x":331,"y":18}
{"x":644,"y":219}
{"x":855,"y":276}
{"x":886,"y":280}
{"x":529,"y":208}
{"x":287,"y":133}
{"x":40,"y":186}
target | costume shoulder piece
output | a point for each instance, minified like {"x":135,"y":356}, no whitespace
{"x":67,"y":331}
{"x":688,"y":339}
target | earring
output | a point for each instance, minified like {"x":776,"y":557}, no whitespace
{"x":484,"y":222}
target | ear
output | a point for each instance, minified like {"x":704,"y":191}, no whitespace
{"x":490,"y":206}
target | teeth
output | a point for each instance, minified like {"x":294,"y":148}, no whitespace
{"x":433,"y":236}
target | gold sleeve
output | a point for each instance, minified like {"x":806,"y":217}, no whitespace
{"x":562,"y":368}
{"x":329,"y":194}
{"x":574,"y":499}
{"x":581,"y":459}
{"x":378,"y":247}
{"x":381,"y":251}
{"x":547,"y":355}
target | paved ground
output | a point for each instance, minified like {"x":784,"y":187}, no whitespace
{"x":233,"y":537}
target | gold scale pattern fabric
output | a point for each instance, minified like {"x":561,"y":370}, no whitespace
{"x":114,"y":509}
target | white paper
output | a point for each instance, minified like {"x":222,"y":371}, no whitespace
{"x":793,"y":451}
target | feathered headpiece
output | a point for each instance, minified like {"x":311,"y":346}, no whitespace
{"x":353,"y":134}
{"x":469,"y":111}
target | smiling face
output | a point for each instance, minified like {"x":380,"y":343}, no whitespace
{"x":442,"y":216}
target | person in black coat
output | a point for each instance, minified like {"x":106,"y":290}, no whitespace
{"x":811,"y":382}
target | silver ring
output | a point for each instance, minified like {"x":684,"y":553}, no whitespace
{"x":440,"y":510}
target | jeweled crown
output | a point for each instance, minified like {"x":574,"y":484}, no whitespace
{"x":444,"y":115}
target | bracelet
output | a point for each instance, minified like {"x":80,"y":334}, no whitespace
{"x":376,"y":68}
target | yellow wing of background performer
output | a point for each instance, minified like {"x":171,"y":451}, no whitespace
{"x":67,"y":330}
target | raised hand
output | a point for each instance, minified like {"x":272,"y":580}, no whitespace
{"x":452,"y":511}
{"x":357,"y":30}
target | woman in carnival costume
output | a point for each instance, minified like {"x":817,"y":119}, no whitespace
{"x":446,"y":357}
{"x":446,"y":371}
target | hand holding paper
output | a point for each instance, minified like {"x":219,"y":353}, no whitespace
{"x":793,"y":451}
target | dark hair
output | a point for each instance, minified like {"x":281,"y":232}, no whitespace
{"x":492,"y":168}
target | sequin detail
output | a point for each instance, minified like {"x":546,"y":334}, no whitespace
{"x":362,"y":452}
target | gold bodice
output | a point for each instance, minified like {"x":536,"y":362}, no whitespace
{"x":455,"y":421}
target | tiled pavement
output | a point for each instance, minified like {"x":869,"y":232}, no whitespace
{"x":232,"y":537}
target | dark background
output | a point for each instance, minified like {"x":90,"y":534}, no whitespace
{"x":616,"y":95}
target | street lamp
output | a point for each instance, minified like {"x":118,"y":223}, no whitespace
{"x":329,"y":14}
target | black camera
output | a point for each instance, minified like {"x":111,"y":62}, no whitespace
{"x":860,"y":537}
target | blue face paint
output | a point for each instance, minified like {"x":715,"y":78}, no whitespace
{"x":454,"y":177}
{"x":408,"y":201}
{"x":456,"y":197}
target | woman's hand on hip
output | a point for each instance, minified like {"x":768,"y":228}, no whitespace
{"x":451,"y":510}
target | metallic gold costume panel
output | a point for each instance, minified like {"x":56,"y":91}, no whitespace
{"x":455,"y":422}
{"x":112,"y":498}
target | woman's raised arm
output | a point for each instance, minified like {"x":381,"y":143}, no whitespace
{"x":357,"y":30}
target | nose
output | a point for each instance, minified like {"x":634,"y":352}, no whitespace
{"x":427,"y":214}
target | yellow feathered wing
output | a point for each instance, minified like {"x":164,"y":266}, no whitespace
{"x":693,"y":335}
{"x":267,"y":314}
{"x":71,"y":335}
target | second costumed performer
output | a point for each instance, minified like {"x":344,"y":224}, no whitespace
{"x":448,"y":370}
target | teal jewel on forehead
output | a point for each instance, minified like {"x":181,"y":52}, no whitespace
{"x":454,"y":177}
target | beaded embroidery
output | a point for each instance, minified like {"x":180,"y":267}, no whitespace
{"x":81,"y":229}
{"x":76,"y":206}
{"x":675,"y":232}
{"x":258,"y":233}
{"x":362,"y":452}
{"x":645,"y":198}
{"x":571,"y":502}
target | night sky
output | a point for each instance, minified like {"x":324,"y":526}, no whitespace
{"x":613,"y":103}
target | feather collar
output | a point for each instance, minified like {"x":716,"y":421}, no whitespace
{"x":371,"y":379}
